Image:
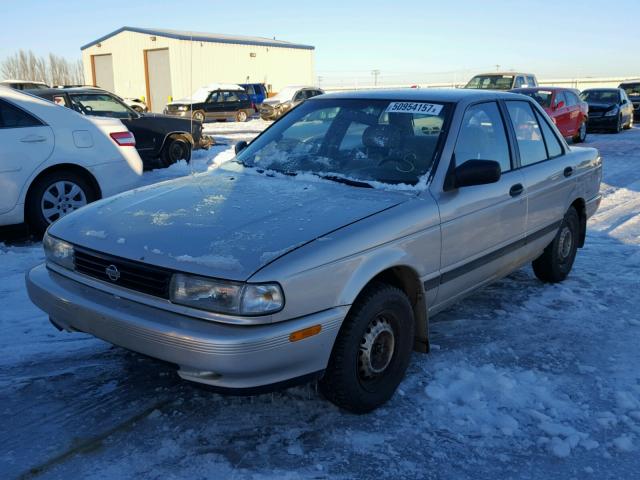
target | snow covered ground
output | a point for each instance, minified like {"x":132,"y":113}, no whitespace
{"x":525,"y":380}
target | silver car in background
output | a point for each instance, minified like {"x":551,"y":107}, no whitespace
{"x":273,"y":108}
{"x":325,"y":247}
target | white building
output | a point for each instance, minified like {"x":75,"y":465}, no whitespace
{"x":160,"y":64}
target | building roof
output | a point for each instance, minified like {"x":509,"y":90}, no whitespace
{"x":203,"y":37}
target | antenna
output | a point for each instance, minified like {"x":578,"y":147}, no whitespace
{"x":191,"y":96}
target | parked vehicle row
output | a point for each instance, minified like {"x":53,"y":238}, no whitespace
{"x":54,"y":161}
{"x":609,"y":109}
{"x":447,"y":191}
{"x":161,"y":140}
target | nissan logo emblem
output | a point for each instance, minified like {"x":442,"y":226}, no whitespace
{"x":112,"y":272}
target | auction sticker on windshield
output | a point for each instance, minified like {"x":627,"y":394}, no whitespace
{"x":414,"y":107}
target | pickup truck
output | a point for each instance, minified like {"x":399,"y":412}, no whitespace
{"x":323,"y":249}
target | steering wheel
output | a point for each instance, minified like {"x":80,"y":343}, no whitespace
{"x":406,"y":164}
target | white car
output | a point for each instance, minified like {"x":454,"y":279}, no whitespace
{"x":53,"y":160}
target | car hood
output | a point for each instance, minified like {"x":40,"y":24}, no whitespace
{"x":601,"y":107}
{"x":274,"y":101}
{"x":228,"y":223}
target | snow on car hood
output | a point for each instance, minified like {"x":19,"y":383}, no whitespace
{"x":226,"y":224}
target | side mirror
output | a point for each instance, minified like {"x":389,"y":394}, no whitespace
{"x":475,"y":172}
{"x":560,"y":104}
{"x":241,"y":145}
{"x":624,"y":101}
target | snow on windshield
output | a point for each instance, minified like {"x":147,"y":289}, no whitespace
{"x":353,"y":139}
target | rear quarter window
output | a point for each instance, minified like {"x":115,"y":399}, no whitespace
{"x":14,"y":117}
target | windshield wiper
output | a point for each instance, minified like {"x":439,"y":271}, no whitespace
{"x":346,"y":181}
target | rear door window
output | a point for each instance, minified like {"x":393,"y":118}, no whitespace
{"x":528,"y":134}
{"x":482,"y":136}
{"x":531,"y":81}
{"x":554,"y":148}
{"x":14,"y":117}
{"x":519,"y":82}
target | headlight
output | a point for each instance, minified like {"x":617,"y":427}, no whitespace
{"x":225,"y":296}
{"x":58,"y":251}
{"x":183,"y":108}
{"x":612,"y":112}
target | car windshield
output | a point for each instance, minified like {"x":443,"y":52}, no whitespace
{"x":632,"y":89}
{"x":285,"y":94}
{"x":543,"y":97}
{"x":100,"y":105}
{"x":491,"y":82}
{"x":600,"y":96}
{"x":392,"y":142}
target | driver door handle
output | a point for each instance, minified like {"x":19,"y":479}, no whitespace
{"x":568,"y":171}
{"x":516,"y":190}
{"x":33,"y":139}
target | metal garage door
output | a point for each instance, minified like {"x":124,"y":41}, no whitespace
{"x":158,"y":78}
{"x":103,"y":71}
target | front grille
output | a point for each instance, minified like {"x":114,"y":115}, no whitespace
{"x":133,"y":275}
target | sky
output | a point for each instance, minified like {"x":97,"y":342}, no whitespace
{"x":415,"y":41}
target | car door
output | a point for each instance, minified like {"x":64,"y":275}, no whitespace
{"x":547,"y":169}
{"x":575,"y":113}
{"x":26,"y":143}
{"x":214,"y":106}
{"x":482,"y":226}
{"x":627,"y":107}
{"x":561,"y":113}
{"x":299,"y":97}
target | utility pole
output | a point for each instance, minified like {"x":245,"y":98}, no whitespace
{"x":375,"y":74}
{"x":319,"y":81}
{"x":497,"y":68}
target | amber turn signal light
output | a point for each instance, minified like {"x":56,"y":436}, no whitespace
{"x":305,"y":333}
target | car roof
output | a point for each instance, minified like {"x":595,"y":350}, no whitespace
{"x":448,"y":95}
{"x":543,"y":88}
{"x":213,"y":87}
{"x":53,"y":91}
{"x":503,"y":73}
{"x":603,"y":89}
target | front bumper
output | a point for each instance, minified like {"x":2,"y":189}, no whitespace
{"x":226,"y":356}
{"x":602,"y":122}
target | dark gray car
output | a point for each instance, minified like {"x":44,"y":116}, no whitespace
{"x":323,"y":250}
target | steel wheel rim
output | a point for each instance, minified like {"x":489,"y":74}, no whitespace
{"x":60,"y":199}
{"x":242,"y":116}
{"x":376,"y":349}
{"x":198,"y":116}
{"x":176,"y":152}
{"x":565,"y":243}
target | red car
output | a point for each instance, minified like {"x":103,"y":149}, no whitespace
{"x":564,"y":107}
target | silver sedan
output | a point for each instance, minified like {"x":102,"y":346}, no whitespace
{"x":324,"y":248}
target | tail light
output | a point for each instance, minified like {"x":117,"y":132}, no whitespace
{"x":124,"y":139}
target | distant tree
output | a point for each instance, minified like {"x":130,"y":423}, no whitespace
{"x":53,"y":69}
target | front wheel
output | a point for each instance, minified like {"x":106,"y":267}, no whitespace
{"x":556,"y":261}
{"x":581,"y":136}
{"x":241,"y":116}
{"x":372,"y":350}
{"x":629,"y":123}
{"x":55,"y":195}
{"x":175,"y":150}
{"x":618,"y":127}
{"x":198,"y":116}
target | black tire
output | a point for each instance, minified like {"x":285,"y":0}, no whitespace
{"x":618,"y":127}
{"x":581,"y":136}
{"x":556,"y":261}
{"x":174,"y":150}
{"x":241,"y":116}
{"x":382,"y":320}
{"x":198,"y":116}
{"x":35,"y":203}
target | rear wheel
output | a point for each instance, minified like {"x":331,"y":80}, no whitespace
{"x":176,"y":149}
{"x":556,"y":261}
{"x":581,"y":136}
{"x":372,"y":351}
{"x":55,"y":195}
{"x":241,"y":116}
